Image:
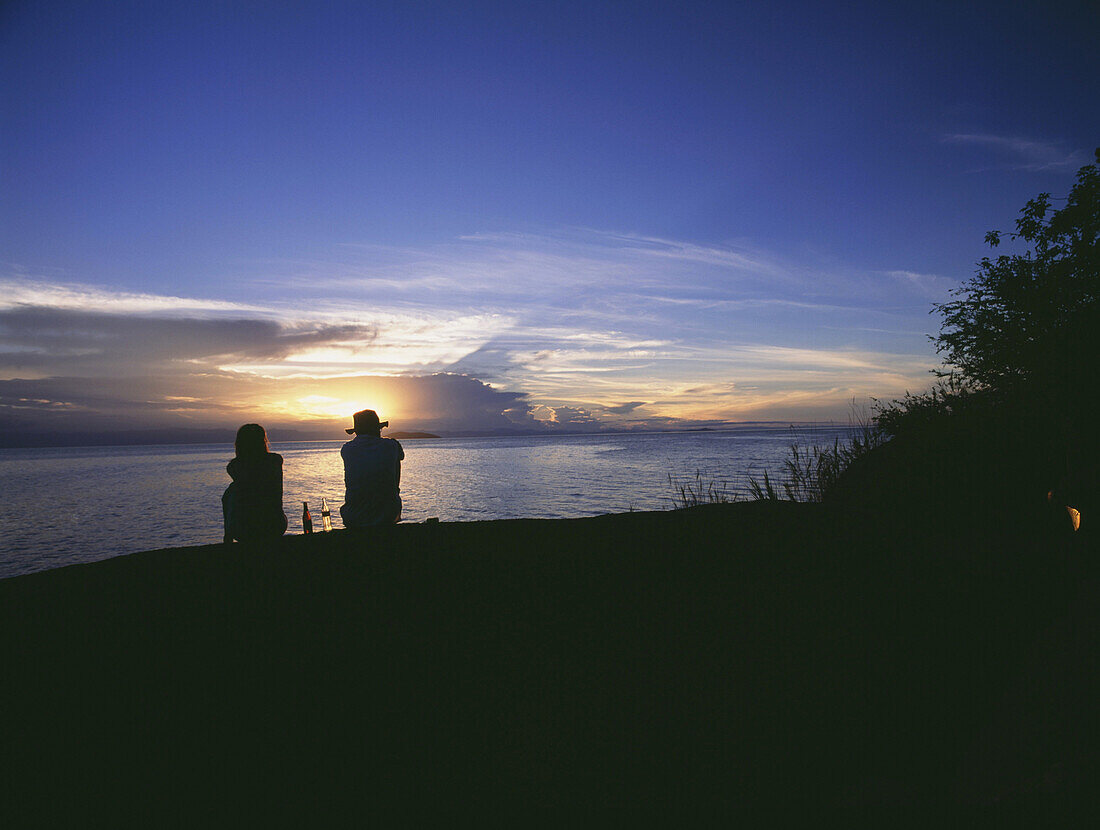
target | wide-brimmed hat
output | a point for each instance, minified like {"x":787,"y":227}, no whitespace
{"x":367,"y":421}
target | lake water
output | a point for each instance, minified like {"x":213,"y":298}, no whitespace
{"x":66,"y":505}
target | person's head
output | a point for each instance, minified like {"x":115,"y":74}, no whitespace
{"x":367,"y":423}
{"x":251,"y":441}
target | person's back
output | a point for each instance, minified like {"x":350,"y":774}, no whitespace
{"x":372,"y":474}
{"x":252,"y":506}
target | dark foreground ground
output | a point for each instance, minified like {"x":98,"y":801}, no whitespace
{"x":705,"y":660}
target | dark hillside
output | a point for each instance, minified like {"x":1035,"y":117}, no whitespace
{"x":719,"y":657}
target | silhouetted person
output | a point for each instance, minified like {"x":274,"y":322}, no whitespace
{"x":252,"y":505}
{"x":372,"y":474}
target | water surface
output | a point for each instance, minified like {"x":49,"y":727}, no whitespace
{"x":66,"y":505}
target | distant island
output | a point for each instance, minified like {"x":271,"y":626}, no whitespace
{"x":407,"y":435}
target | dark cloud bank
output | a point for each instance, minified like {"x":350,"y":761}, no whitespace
{"x":74,"y":411}
{"x":66,"y":342}
{"x":92,"y":377}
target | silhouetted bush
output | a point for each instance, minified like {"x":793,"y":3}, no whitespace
{"x":1020,"y":343}
{"x":1025,"y":330}
{"x":811,"y":470}
{"x":1021,"y":316}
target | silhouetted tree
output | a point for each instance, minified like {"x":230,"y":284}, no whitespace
{"x":1026,"y":328}
{"x":1018,"y":396}
{"x":1031,"y":316}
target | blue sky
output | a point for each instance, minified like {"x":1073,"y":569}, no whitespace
{"x":552,"y":215}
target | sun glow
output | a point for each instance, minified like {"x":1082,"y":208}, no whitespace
{"x":325,"y":406}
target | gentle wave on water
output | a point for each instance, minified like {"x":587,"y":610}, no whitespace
{"x":67,"y":505}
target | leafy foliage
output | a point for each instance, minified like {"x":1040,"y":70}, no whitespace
{"x":1021,"y":315}
{"x":950,"y":395}
{"x":1025,"y":330}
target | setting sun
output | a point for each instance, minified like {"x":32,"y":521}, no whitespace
{"x":324,"y":406}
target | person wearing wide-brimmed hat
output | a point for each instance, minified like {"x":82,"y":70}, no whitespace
{"x":372,"y":474}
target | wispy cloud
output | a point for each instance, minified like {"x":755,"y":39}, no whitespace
{"x":28,"y":292}
{"x":1022,"y":153}
{"x":78,"y":329}
{"x":599,"y":327}
{"x":932,"y":285}
{"x":552,"y":267}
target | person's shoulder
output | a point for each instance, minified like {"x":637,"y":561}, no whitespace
{"x":274,"y":458}
{"x":397,"y":448}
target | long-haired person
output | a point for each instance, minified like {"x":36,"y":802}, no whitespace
{"x":252,"y":505}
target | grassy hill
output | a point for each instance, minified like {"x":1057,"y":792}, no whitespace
{"x":705,"y":659}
